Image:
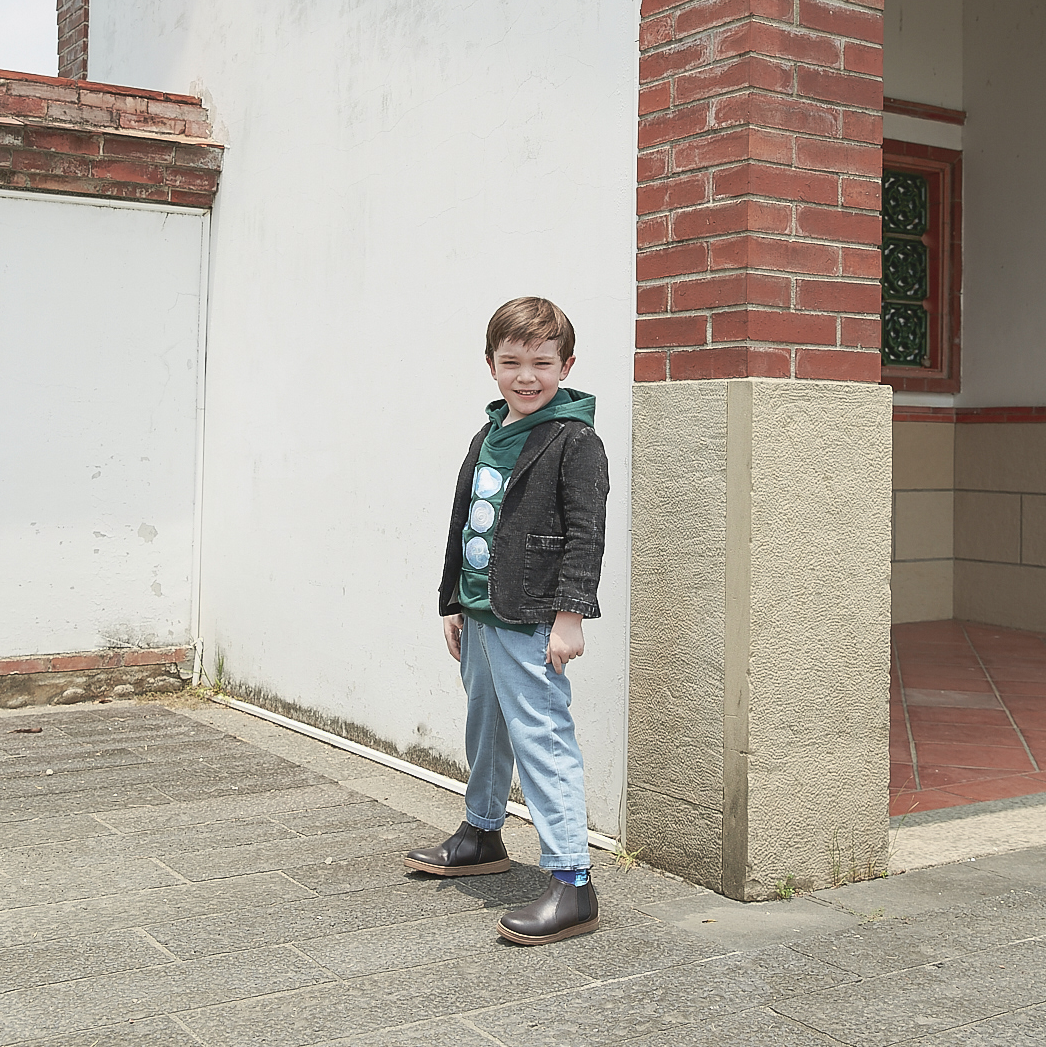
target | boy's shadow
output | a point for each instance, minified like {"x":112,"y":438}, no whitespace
{"x":511,"y":890}
{"x":507,"y":891}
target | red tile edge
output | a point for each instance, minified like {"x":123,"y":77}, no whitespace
{"x":970,"y":415}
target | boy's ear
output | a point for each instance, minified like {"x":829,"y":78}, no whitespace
{"x":493,"y":369}
{"x":567,"y":364}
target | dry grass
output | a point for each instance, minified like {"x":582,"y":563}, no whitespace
{"x":188,"y":698}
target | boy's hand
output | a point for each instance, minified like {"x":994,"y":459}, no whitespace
{"x":452,"y":626}
{"x":566,"y":640}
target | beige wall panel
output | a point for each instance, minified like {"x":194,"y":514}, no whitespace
{"x":678,"y":556}
{"x":675,"y":835}
{"x":923,"y":456}
{"x":1033,"y":530}
{"x":1001,"y":594}
{"x":923,"y":525}
{"x":820,"y":621}
{"x":922,"y":591}
{"x":1001,"y":457}
{"x":988,"y":526}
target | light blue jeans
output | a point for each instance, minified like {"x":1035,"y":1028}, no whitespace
{"x":519,"y":708}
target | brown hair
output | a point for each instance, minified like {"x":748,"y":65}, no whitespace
{"x":530,"y":320}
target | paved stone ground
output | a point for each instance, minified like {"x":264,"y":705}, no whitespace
{"x":176,"y":878}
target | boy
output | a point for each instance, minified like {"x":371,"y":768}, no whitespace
{"x":522,"y":565}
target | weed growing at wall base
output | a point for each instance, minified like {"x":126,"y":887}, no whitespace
{"x":626,"y":859}
{"x":844,"y":865}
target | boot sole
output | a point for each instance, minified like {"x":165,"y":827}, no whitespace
{"x":547,"y":939}
{"x":501,"y":866}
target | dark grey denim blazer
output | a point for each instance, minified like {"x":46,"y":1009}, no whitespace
{"x":548,"y":541}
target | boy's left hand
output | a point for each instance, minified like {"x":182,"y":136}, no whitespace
{"x":566,"y":640}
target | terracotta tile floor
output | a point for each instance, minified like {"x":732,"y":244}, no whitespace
{"x":967,"y":715}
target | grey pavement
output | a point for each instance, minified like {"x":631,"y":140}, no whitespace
{"x":199,"y":876}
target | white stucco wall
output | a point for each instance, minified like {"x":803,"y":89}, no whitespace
{"x":922,"y":51}
{"x":101,"y":340}
{"x":922,"y":62}
{"x":1004,"y":250}
{"x":394,"y":172}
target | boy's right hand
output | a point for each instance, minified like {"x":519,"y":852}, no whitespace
{"x":452,"y":626}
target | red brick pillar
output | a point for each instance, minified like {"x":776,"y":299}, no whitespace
{"x":759,"y":672}
{"x":759,"y":163}
{"x":72,"y":38}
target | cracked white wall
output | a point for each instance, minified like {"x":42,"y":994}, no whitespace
{"x":100,"y":307}
{"x":394,"y":172}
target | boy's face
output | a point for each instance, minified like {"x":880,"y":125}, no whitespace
{"x":528,"y":375}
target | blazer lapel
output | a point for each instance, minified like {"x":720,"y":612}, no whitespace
{"x":536,"y":445}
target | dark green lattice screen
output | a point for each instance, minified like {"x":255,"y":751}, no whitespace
{"x":906,"y":267}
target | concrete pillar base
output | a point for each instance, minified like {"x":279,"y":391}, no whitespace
{"x":758,"y":722}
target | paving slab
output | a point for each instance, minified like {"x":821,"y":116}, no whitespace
{"x":302,"y":921}
{"x":755,"y":1027}
{"x":273,"y":943}
{"x":418,"y":943}
{"x":1023,"y":1028}
{"x":299,"y":853}
{"x":952,"y":993}
{"x":161,"y":843}
{"x":614,"y":1010}
{"x":131,"y":995}
{"x":443,"y":1032}
{"x":50,"y":920}
{"x":162,"y":1031}
{"x":65,"y":881}
{"x":877,"y":946}
{"x":381,"y":868}
{"x":214,"y":809}
{"x":95,"y":801}
{"x":45,"y":829}
{"x":378,"y":1001}
{"x":724,"y":925}
{"x":357,"y":812}
{"x":67,"y":959}
{"x":939,"y":887}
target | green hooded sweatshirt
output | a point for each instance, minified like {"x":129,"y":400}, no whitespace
{"x":497,"y":458}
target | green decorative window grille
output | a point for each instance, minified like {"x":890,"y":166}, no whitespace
{"x":906,"y":269}
{"x":922,"y":267}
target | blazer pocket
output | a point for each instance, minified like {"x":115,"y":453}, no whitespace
{"x":542,"y":560}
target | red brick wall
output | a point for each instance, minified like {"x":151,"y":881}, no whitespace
{"x":76,"y":137}
{"x":72,"y":38}
{"x":759,"y":170}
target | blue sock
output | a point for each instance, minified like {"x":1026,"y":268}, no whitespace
{"x":575,"y":877}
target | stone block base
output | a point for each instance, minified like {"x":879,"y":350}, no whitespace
{"x":758,"y":722}
{"x":66,"y":679}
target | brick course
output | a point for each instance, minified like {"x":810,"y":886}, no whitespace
{"x":108,"y":659}
{"x":760,"y":154}
{"x":60,"y":135}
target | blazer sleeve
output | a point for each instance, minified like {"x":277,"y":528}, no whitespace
{"x":583,"y":489}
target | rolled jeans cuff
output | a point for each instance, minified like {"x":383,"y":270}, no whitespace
{"x":558,"y":862}
{"x":486,"y":824}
